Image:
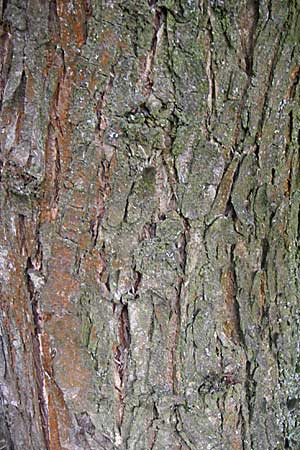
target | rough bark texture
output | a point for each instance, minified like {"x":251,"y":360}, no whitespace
{"x":149,"y":242}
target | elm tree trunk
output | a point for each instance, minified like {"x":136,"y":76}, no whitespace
{"x":149,"y":240}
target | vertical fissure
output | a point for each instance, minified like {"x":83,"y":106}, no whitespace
{"x":121,"y":351}
{"x":38,"y":355}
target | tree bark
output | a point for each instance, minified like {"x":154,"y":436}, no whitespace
{"x":149,"y":239}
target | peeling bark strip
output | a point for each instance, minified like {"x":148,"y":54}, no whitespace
{"x":149,"y":227}
{"x":40,"y":374}
{"x":211,"y":98}
{"x":294,"y":80}
{"x":248,"y":23}
{"x":57,"y":153}
{"x":105,"y":166}
{"x":158,"y":24}
{"x":121,"y":355}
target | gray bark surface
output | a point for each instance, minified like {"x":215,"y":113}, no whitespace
{"x":149,"y":238}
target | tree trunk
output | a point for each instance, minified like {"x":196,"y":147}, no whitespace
{"x":150,"y":192}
